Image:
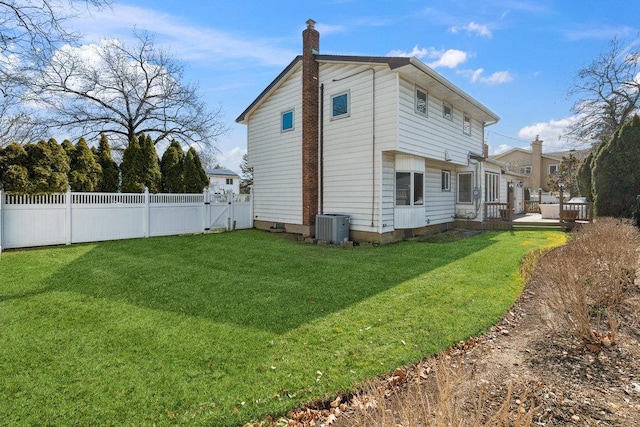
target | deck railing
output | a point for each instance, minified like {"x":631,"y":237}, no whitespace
{"x":498,"y":210}
{"x":531,"y":206}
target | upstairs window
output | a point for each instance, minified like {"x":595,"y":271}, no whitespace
{"x":553,"y":169}
{"x":466,"y":124}
{"x":446,"y":181}
{"x":340,"y":105}
{"x":286,"y":121}
{"x":421,"y":101}
{"x":525,"y":170}
{"x":447,"y":111}
{"x":229,"y":181}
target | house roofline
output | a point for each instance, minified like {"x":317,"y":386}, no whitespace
{"x":493,"y":117}
{"x":393,"y":62}
{"x":274,"y":84}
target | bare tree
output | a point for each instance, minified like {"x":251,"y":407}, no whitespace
{"x":608,"y":92}
{"x":30,"y":31}
{"x":119,"y":90}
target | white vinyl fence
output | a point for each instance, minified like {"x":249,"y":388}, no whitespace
{"x":65,"y":218}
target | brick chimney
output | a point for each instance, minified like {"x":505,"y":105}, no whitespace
{"x":536,"y":164}
{"x":310,"y":115}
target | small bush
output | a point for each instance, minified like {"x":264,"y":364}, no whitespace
{"x":589,"y":278}
{"x":444,"y":407}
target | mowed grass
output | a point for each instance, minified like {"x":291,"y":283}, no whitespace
{"x":221,"y":329}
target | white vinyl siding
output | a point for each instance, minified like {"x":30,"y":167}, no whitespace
{"x":439,"y":205}
{"x":436,"y":137}
{"x":353,"y":175}
{"x":276,"y":156}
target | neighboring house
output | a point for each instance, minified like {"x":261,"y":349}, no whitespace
{"x":223,"y":181}
{"x":537,"y":166}
{"x":385,"y":140}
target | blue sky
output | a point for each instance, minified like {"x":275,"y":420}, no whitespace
{"x":517,"y":57}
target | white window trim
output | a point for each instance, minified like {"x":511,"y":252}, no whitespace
{"x":348,"y":113}
{"x":445,"y":186}
{"x":523,"y":169}
{"x":293,"y":120}
{"x":492,"y":187}
{"x":412,"y":184}
{"x":466,"y":119}
{"x":450,"y":116}
{"x":458,"y":188}
{"x":557,"y":169}
{"x":415,"y":103}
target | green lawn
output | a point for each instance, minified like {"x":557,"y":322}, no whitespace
{"x":220,"y":329}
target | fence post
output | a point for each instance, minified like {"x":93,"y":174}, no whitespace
{"x":68,"y":206}
{"x":251,"y":206}
{"x":230,"y":216}
{"x":1,"y":220}
{"x":147,"y":213}
{"x":206,"y":210}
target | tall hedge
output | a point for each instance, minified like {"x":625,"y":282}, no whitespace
{"x":109,"y":179}
{"x":616,"y":173}
{"x":85,"y":171}
{"x":171,"y":167}
{"x":195,"y":177}
{"x":48,"y":166}
{"x":14,"y":173}
{"x":132,"y":168}
{"x":151,"y":175}
{"x":584,"y":177}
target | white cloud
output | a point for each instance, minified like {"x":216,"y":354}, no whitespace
{"x":189,"y":42}
{"x":231,"y":159}
{"x":476,"y":76}
{"x":472,"y":27}
{"x":551,"y":132}
{"x":450,"y":58}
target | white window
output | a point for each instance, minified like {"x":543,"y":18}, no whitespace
{"x":491,"y":187}
{"x":465,"y":187}
{"x":553,"y":169}
{"x":409,"y":188}
{"x":446,"y":180}
{"x":421,"y":101}
{"x":340,"y":105}
{"x":286,"y":121}
{"x":525,"y":169}
{"x":229,"y":181}
{"x":466,"y":124}
{"x":447,"y":111}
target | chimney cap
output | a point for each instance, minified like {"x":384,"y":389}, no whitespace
{"x":311,"y":24}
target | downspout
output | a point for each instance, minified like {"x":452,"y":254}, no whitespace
{"x":321,"y":147}
{"x":373,"y":147}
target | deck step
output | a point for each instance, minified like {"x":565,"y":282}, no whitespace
{"x":523,"y":226}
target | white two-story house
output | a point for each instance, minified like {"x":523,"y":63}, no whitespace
{"x":385,"y":140}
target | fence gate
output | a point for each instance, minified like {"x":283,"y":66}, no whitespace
{"x":230,"y":212}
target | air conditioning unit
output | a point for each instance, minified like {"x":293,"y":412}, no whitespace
{"x":333,"y":228}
